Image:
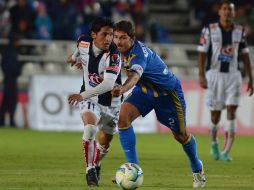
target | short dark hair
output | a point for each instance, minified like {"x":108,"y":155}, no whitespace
{"x":100,"y":22}
{"x":222,"y":2}
{"x":125,"y":26}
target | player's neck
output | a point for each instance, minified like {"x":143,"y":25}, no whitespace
{"x":128,"y":51}
{"x":96,"y":50}
{"x":226,"y":25}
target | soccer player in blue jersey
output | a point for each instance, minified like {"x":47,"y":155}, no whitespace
{"x":156,"y":87}
{"x":221,"y":45}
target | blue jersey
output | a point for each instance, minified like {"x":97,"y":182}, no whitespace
{"x":155,"y":77}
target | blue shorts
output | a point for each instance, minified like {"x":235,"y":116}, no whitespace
{"x":170,"y":109}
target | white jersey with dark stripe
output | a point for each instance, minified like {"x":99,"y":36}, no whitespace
{"x":223,"y":47}
{"x":95,"y":68}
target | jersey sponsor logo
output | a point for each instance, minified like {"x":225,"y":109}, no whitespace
{"x":83,"y":44}
{"x":226,"y":54}
{"x":94,"y":79}
{"x":165,"y":71}
{"x":115,"y":58}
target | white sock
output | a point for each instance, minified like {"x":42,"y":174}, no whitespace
{"x":89,"y":145}
{"x":101,"y":152}
{"x":213,"y":132}
{"x":230,"y":129}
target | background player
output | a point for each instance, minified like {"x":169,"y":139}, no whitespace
{"x":101,"y":64}
{"x":156,"y":88}
{"x":220,"y":45}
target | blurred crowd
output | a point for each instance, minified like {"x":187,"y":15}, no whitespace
{"x":67,"y":19}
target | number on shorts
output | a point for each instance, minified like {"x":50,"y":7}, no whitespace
{"x":89,"y":104}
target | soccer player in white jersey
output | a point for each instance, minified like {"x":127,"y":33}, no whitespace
{"x":220,"y":46}
{"x":101,"y":65}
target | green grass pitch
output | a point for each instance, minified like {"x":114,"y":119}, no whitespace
{"x":31,"y":160}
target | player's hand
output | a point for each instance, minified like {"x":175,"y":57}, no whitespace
{"x":78,"y":65}
{"x":70,"y":61}
{"x":117,"y":91}
{"x":74,"y":99}
{"x":250,"y":88}
{"x":203,"y":82}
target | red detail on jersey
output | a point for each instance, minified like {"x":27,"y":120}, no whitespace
{"x":227,"y":50}
{"x":113,"y":68}
{"x":213,"y":26}
{"x":94,"y":78}
{"x":83,"y":44}
{"x":81,"y":36}
{"x":115,"y":57}
{"x":202,"y":41}
{"x":238,"y":27}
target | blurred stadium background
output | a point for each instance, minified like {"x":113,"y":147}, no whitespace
{"x":48,"y":30}
{"x":51,"y":160}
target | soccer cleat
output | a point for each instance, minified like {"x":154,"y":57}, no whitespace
{"x":215,"y":151}
{"x":225,"y":157}
{"x":91,"y":177}
{"x":199,"y":178}
{"x":114,"y":181}
{"x":98,"y":172}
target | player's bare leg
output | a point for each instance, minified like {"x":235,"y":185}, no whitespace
{"x":230,"y":131}
{"x":89,"y":147}
{"x":102,"y":150}
{"x":213,"y":130}
{"x":189,"y":145}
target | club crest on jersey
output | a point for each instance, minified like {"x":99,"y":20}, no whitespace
{"x":115,"y":58}
{"x":94,"y":79}
{"x":226,"y":53}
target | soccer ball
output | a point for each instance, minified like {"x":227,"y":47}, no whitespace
{"x":129,"y":176}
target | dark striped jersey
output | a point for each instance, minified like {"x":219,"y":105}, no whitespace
{"x":223,"y":47}
{"x":96,"y":68}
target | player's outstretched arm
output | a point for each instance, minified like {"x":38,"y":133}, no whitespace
{"x":131,"y":81}
{"x":248,"y":70}
{"x":72,"y":59}
{"x":106,"y":85}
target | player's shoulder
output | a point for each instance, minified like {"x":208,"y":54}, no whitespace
{"x":139,"y":49}
{"x":84,"y":38}
{"x":213,"y":25}
{"x":84,"y":41}
{"x":238,"y":27}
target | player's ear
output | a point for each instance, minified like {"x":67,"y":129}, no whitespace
{"x":93,"y":35}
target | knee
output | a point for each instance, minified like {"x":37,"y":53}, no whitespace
{"x":123,"y":123}
{"x":182,"y":137}
{"x":231,"y":115}
{"x":215,"y":119}
{"x":103,"y":148}
{"x":89,"y":132}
